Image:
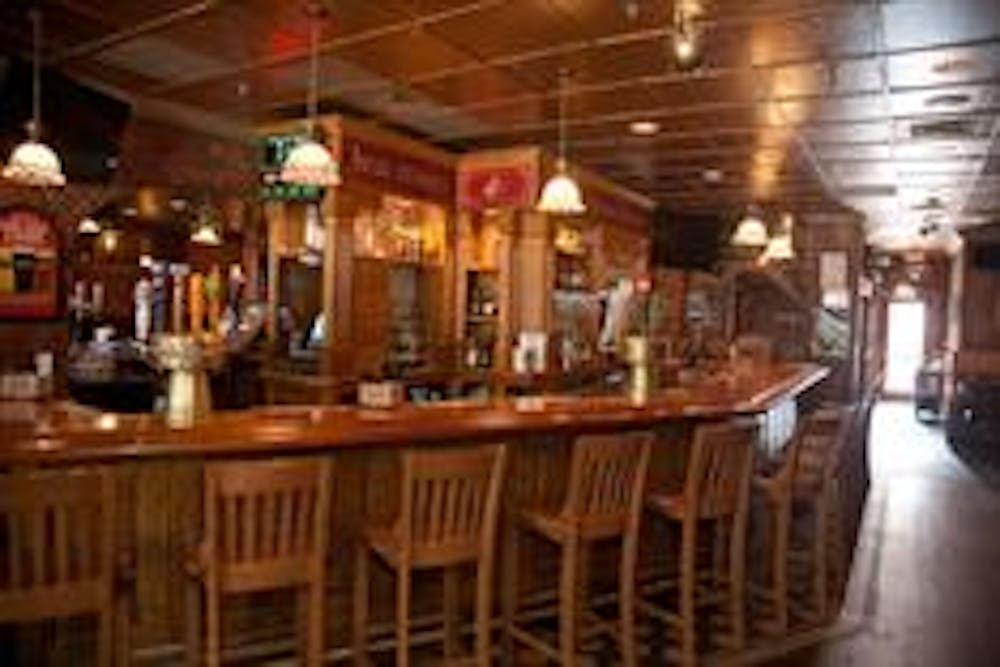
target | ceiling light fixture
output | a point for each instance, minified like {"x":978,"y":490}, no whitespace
{"x":686,"y":41}
{"x":88,"y":227}
{"x":644,"y":128}
{"x":779,"y":247}
{"x":561,"y":194}
{"x":32,"y":162}
{"x":206,"y":229}
{"x":310,"y":162}
{"x":751,"y":232}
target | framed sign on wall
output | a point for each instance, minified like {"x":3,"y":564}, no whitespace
{"x":29,"y":265}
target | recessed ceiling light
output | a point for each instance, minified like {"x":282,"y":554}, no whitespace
{"x":644,"y":128}
{"x":948,"y":100}
{"x":953,"y":65}
{"x":713,"y":175}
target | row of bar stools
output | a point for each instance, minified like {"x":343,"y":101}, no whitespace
{"x":59,"y":556}
{"x":603,"y":501}
{"x":715,"y":497}
{"x":802,"y":487}
{"x":266,"y":527}
{"x":448,"y":515}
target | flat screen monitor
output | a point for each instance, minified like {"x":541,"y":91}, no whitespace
{"x":686,"y":241}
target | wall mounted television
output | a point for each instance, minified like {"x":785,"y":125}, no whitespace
{"x":687,"y":241}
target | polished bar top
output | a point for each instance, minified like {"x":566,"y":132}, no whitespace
{"x":66,"y":433}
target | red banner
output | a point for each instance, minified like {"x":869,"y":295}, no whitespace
{"x":508,"y":186}
{"x":397,"y":172}
{"x":28,"y":265}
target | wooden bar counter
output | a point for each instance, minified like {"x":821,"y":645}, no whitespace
{"x":159,"y":473}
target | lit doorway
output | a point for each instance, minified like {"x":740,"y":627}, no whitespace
{"x":905,"y":346}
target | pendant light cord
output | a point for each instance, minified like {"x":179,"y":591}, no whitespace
{"x":312,"y":102}
{"x":563,"y":76}
{"x":36,"y":74}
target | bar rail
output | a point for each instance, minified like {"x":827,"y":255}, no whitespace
{"x":61,"y":433}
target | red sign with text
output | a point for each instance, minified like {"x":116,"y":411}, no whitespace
{"x":28,"y":265}
{"x":510,"y":186}
{"x":397,"y":172}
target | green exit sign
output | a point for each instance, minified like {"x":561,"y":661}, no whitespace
{"x":274,"y":150}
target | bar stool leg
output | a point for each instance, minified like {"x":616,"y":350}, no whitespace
{"x":105,"y":639}
{"x":737,"y":573}
{"x":361,"y":593}
{"x":315,"y":632}
{"x":781,"y":521}
{"x":484,"y":609}
{"x":451,"y":604}
{"x":626,"y":603}
{"x":568,"y":608}
{"x":403,"y":617}
{"x":689,"y":539}
{"x":213,"y":628}
{"x":509,"y":591}
{"x":819,"y":559}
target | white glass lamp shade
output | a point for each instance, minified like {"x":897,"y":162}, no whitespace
{"x":88,"y":226}
{"x":561,"y":195}
{"x":35,"y":164}
{"x":206,"y":234}
{"x":311,"y":163}
{"x":750,"y":233}
{"x":780,"y":248}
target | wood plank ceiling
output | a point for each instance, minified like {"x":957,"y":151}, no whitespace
{"x":886,"y":106}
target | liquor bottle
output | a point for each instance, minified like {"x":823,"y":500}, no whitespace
{"x":143,"y":308}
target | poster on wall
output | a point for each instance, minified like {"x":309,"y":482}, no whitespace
{"x":28,"y":265}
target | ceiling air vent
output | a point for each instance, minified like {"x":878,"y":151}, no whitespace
{"x":955,"y":128}
{"x":873,"y":190}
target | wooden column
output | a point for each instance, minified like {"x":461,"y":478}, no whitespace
{"x":533,"y":280}
{"x":274,"y":213}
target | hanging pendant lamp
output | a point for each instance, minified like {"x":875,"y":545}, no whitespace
{"x":779,"y":247}
{"x":33,"y":163}
{"x":310,"y":162}
{"x":561,"y":194}
{"x":207,"y":227}
{"x":751,"y":232}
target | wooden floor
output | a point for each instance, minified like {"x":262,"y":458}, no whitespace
{"x":931,"y":594}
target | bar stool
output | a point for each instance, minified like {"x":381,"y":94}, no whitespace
{"x":448,"y":517}
{"x":59,"y":554}
{"x":815,"y":515}
{"x":603,"y":501}
{"x":266,"y":527}
{"x":716,"y":496}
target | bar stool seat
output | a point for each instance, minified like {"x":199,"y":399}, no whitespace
{"x":388,"y":544}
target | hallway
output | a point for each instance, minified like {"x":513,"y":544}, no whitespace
{"x":926,"y":584}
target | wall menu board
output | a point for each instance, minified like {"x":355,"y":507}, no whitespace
{"x":28,"y":265}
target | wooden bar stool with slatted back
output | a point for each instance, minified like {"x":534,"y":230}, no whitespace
{"x":266,"y":528}
{"x":448,"y":513}
{"x":805,"y":466}
{"x":58,"y":553}
{"x":815,"y":512}
{"x":603,"y":502}
{"x":715,"y":497}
